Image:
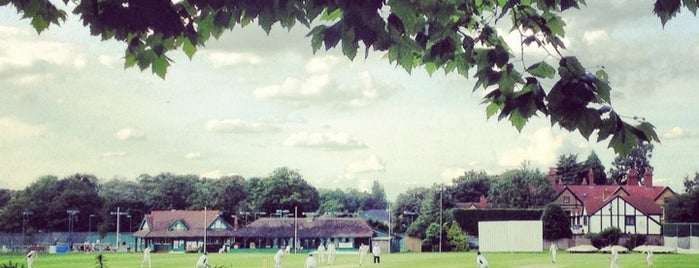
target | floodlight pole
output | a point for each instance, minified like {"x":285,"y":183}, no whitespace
{"x":441,"y":202}
{"x":118,"y":214}
{"x":25,"y":213}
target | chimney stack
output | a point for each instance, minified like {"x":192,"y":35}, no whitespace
{"x":590,"y":177}
{"x":648,"y":177}
{"x":632,"y":177}
{"x":553,"y":178}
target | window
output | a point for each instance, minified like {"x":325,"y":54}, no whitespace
{"x":566,"y":199}
{"x":630,"y":220}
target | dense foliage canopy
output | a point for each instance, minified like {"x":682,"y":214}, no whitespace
{"x":453,"y":36}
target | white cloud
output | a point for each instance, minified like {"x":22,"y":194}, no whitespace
{"x":211,"y":174}
{"x":325,"y":140}
{"x":595,"y":36}
{"x":371,"y":164}
{"x":368,"y":92}
{"x":12,"y":129}
{"x":130,"y":134}
{"x":541,"y":148}
{"x":113,"y":154}
{"x":676,"y":133}
{"x":323,"y":64}
{"x":109,"y":60}
{"x":193,"y":155}
{"x":452,"y":172}
{"x":294,"y":89}
{"x":238,"y":126}
{"x":24,"y":54}
{"x":221,"y":59}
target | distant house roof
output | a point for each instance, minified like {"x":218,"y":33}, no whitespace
{"x":481,"y":204}
{"x":307,"y":228}
{"x":593,"y":197}
{"x":184,"y":223}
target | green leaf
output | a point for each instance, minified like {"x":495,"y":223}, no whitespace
{"x":129,"y":60}
{"x":349,"y":45}
{"x":649,"y":131}
{"x":542,"y":70}
{"x":555,"y":24}
{"x":491,"y":109}
{"x":160,"y":65}
{"x":430,"y":67}
{"x":623,"y":141}
{"x":518,"y":121}
{"x":39,"y":23}
{"x":603,"y":91}
{"x":588,"y":121}
{"x":331,"y":15}
{"x":691,"y":5}
{"x":601,"y":74}
{"x":188,"y":48}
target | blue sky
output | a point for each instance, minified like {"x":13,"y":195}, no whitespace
{"x":249,"y":103}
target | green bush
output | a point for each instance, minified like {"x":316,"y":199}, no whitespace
{"x":11,"y":265}
{"x":609,"y":235}
{"x":635,"y":240}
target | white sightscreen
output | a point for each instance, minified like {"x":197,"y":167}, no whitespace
{"x":511,"y":236}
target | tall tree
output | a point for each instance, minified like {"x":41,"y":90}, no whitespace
{"x":568,"y":170}
{"x":127,"y":196}
{"x":593,"y":162}
{"x":638,"y":159}
{"x":470,"y":186}
{"x":408,"y":207}
{"x":168,"y":191}
{"x":683,"y":207}
{"x":377,"y":198}
{"x":521,"y":188}
{"x":556,"y":223}
{"x":453,"y":36}
{"x":285,"y":189}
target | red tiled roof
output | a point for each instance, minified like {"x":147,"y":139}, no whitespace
{"x":159,"y":222}
{"x":318,"y":227}
{"x":594,"y":197}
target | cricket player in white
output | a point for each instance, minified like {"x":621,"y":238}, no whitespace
{"x":203,"y":261}
{"x":321,"y":253}
{"x":481,"y":262}
{"x":278,"y":258}
{"x":649,"y":256}
{"x":554,"y":250}
{"x":30,"y":258}
{"x":310,"y":262}
{"x":613,"y":258}
{"x":146,"y":256}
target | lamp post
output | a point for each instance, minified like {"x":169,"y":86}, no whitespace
{"x":89,"y":225}
{"x":25,"y":213}
{"x":71,"y":215}
{"x":259,"y":213}
{"x":281,"y":212}
{"x":118,"y":214}
{"x":245,"y":214}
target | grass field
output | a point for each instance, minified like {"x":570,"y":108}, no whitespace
{"x":398,"y":260}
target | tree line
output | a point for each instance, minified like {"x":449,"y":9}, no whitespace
{"x":43,"y":206}
{"x":413,"y":212}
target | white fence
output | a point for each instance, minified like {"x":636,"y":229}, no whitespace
{"x":511,"y":236}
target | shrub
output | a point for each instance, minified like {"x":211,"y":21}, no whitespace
{"x":609,"y":235}
{"x":635,"y":240}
